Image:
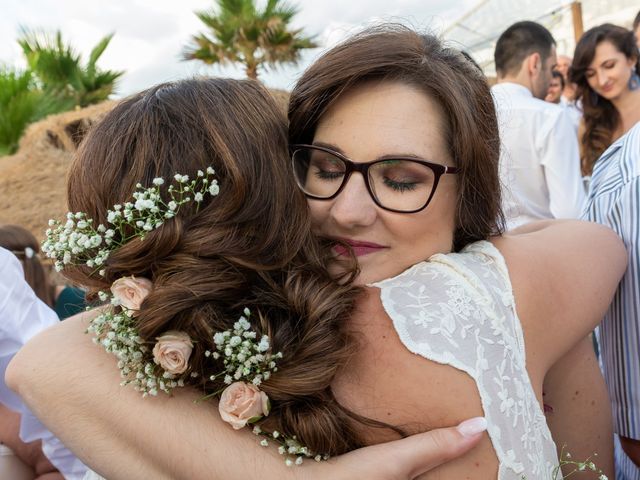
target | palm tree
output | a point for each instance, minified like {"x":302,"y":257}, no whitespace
{"x":21,"y":103}
{"x":59,"y":70}
{"x":238,"y":32}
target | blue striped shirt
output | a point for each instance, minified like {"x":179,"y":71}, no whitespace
{"x":614,"y":200}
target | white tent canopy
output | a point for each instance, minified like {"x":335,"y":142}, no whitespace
{"x":478,"y":30}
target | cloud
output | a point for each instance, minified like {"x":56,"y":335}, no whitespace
{"x":150,"y":35}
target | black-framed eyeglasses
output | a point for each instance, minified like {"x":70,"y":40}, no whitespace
{"x":399,"y":184}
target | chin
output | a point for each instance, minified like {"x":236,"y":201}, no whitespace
{"x":611,"y":94}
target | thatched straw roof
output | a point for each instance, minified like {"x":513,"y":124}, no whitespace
{"x":33,"y":181}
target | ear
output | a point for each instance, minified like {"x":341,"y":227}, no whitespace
{"x":534,"y":63}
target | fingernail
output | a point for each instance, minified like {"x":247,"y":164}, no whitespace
{"x":473,"y":426}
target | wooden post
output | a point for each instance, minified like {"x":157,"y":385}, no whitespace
{"x":576,"y":14}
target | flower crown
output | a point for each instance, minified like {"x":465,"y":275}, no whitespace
{"x":163,"y":366}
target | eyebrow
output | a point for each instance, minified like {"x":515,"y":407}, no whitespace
{"x":393,"y":156}
{"x":603,"y":62}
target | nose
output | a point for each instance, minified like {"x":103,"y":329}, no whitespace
{"x":354,"y":207}
{"x":602,"y":77}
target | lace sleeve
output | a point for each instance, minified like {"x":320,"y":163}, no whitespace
{"x":458,"y":310}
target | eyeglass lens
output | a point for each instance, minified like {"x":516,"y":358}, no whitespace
{"x":397,"y":184}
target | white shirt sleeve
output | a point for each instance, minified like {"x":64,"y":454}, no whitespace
{"x":23,"y":315}
{"x":560,"y":158}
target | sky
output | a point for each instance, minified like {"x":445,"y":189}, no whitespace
{"x":151,"y":34}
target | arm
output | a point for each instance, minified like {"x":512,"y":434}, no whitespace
{"x":564,"y":274}
{"x":581,"y":417}
{"x":23,"y":315}
{"x":30,"y":453}
{"x":568,"y":287}
{"x":100,"y":421}
{"x":560,"y":157}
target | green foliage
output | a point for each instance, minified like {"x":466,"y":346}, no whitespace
{"x":21,"y":103}
{"x":56,"y":81}
{"x":58,"y":68}
{"x":238,"y":32}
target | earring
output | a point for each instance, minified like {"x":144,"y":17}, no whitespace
{"x":634,"y":80}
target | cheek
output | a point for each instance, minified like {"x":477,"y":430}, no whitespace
{"x":319,"y":212}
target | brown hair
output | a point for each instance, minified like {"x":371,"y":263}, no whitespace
{"x":394,"y":52}
{"x":251,"y":246}
{"x":18,"y":239}
{"x":600,"y":116}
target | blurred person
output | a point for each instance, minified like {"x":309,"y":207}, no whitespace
{"x":65,"y":300}
{"x":606,"y":71}
{"x":556,"y":86}
{"x":23,"y":315}
{"x":567,"y":99}
{"x":539,"y":161}
{"x":569,"y":89}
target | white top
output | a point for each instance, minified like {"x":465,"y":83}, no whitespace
{"x":23,"y":315}
{"x":539,"y":159}
{"x":574,"y":109}
{"x":458,"y":309}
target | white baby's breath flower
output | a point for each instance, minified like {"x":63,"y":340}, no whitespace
{"x":158,"y":181}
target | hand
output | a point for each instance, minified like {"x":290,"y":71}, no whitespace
{"x":404,"y":459}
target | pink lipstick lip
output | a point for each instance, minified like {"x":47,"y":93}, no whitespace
{"x":359,"y":247}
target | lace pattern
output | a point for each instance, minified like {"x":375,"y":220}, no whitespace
{"x":458,"y":309}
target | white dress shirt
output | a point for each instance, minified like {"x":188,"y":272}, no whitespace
{"x":23,"y":315}
{"x":539,"y":159}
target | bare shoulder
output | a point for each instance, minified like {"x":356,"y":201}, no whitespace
{"x":564,"y":274}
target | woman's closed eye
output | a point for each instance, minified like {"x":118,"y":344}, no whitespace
{"x":328,"y":169}
{"x":399,"y":186}
{"x":402,"y":176}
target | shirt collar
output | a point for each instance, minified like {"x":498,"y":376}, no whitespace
{"x":514,"y":89}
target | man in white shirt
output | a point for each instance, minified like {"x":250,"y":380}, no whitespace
{"x":539,"y":160}
{"x":23,"y":315}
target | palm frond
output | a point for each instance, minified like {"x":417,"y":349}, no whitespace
{"x":237,"y":31}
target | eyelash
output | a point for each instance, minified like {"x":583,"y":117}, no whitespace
{"x":399,"y":186}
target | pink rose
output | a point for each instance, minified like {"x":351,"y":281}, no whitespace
{"x":131,"y":291}
{"x":172,"y":351}
{"x":240,"y":402}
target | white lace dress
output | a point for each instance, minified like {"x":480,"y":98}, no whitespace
{"x":458,"y":309}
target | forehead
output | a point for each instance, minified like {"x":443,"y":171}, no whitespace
{"x":605,"y":50}
{"x":385,"y":118}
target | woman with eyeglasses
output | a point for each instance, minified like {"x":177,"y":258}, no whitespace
{"x":394,"y":142}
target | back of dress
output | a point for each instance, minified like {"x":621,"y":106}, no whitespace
{"x":458,"y":310}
